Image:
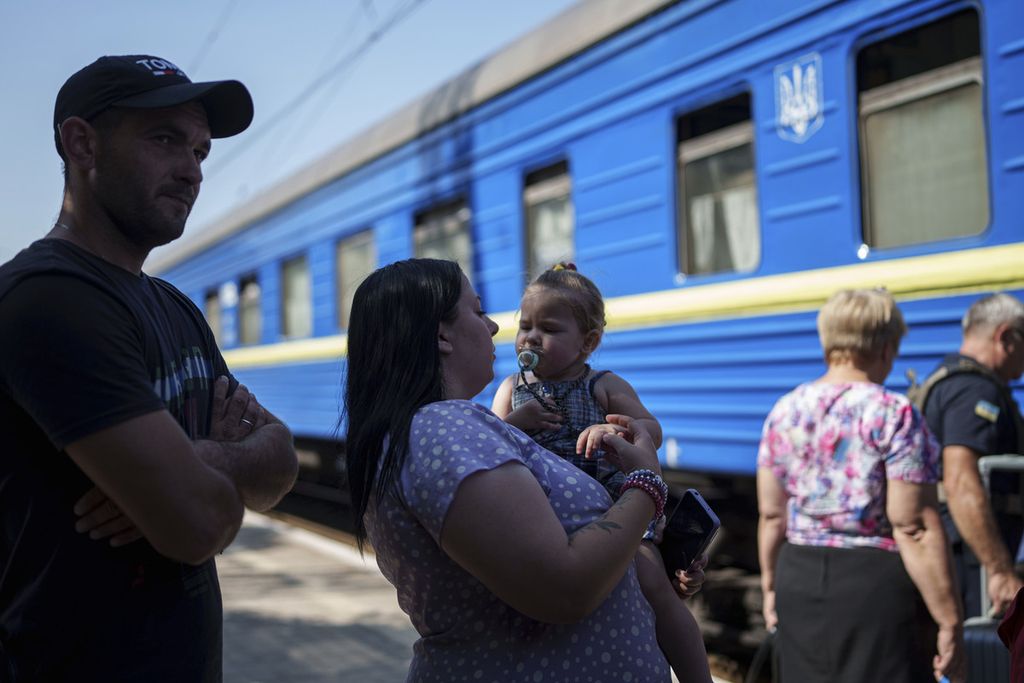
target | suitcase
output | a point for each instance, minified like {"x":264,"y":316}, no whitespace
{"x":988,"y":660}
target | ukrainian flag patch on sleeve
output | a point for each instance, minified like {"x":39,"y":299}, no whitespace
{"x":986,"y":411}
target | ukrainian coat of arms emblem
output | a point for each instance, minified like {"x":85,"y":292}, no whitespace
{"x":799,"y":98}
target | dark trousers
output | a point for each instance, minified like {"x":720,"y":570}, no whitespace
{"x":850,"y":616}
{"x":968,"y":570}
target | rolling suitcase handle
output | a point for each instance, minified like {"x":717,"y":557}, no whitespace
{"x":986,"y":465}
{"x":988,"y":661}
{"x":765,"y":653}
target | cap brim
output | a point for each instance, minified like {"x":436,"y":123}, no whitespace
{"x":228,"y":104}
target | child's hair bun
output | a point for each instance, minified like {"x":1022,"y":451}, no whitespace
{"x":564,"y":265}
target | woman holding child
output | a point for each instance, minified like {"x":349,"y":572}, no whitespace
{"x":512,"y":564}
{"x":855,"y":568}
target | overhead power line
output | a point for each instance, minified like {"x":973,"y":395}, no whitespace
{"x":370,"y":10}
{"x":212,"y":36}
{"x":296,"y":128}
{"x":326,"y":76}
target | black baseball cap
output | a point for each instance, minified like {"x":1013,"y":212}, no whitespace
{"x":147,"y":82}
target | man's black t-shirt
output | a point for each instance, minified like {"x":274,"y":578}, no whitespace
{"x":85,"y":345}
{"x":970,"y":409}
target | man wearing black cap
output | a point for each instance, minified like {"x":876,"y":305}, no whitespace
{"x":120,"y":418}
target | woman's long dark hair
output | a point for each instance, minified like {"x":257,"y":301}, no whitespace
{"x":394,"y":368}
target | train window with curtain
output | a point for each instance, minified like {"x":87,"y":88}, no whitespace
{"x":443,"y":232}
{"x":924,"y":171}
{"x":250,"y":314}
{"x":550,"y":232}
{"x":296,"y":298}
{"x":356,"y":257}
{"x":719,"y":225}
{"x":213,"y":313}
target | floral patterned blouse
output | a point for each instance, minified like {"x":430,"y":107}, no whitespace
{"x":833,"y":447}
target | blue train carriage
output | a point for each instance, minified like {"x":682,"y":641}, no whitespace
{"x":718,"y":168}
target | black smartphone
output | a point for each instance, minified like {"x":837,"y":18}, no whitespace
{"x":690,"y":528}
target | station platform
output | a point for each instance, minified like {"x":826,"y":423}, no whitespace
{"x":303,"y":608}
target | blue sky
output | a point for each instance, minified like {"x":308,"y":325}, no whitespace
{"x":276,"y":48}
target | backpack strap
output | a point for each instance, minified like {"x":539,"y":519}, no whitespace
{"x":919,"y":393}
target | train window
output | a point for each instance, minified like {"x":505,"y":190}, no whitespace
{"x":213,"y":313}
{"x":924,"y":172}
{"x":356,"y":258}
{"x":250,"y":317}
{"x":296,"y":298}
{"x":443,"y":232}
{"x":549,"y":218}
{"x":719,"y":227}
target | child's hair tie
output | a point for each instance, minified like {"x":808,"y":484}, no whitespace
{"x":564,"y":265}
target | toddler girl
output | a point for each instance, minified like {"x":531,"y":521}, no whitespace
{"x":561,"y":403}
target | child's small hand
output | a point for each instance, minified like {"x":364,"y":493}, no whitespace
{"x":591,"y":439}
{"x":533,"y":416}
{"x":632,"y":448}
{"x":688,"y":583}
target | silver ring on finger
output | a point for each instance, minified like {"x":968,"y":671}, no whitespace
{"x":249,"y":422}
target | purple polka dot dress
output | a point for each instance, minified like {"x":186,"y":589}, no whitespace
{"x":467,"y":633}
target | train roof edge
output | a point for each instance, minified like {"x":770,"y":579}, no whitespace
{"x":570,"y":32}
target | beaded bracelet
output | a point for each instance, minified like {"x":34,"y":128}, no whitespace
{"x":651,"y":484}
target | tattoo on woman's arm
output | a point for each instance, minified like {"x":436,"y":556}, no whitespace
{"x":606,"y":525}
{"x":603,"y":524}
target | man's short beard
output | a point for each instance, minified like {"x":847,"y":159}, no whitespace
{"x":142,"y":226}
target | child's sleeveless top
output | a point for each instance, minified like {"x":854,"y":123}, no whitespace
{"x":579,"y":409}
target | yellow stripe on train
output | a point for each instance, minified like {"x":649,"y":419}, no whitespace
{"x":919,"y":277}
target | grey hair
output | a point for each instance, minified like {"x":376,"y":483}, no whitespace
{"x":992,"y":310}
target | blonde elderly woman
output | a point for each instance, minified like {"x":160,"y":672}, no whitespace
{"x":855,"y":568}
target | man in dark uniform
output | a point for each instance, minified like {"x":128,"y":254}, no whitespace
{"x":128,"y":450}
{"x":972,"y":412}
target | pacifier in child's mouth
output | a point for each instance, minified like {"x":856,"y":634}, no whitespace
{"x":528,"y":360}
